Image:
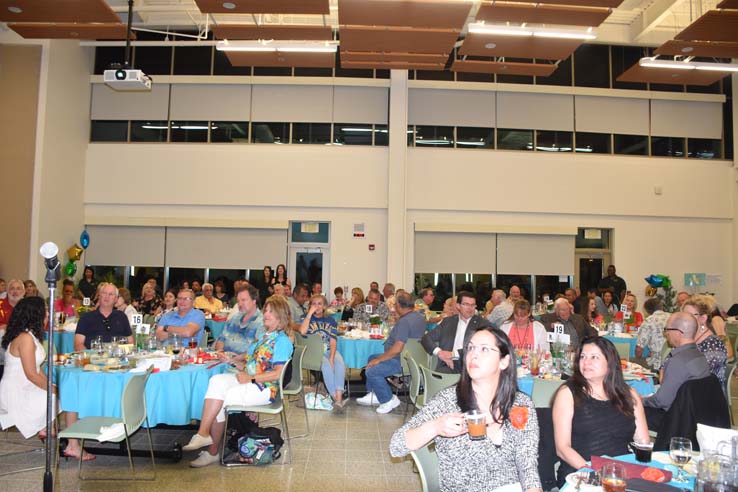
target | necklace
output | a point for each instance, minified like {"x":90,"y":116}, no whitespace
{"x":518,"y":342}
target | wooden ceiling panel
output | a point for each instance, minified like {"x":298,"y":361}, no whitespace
{"x":611,"y":4}
{"x":57,"y":11}
{"x":518,"y":47}
{"x":438,"y":14}
{"x":365,"y":57}
{"x":317,"y":7}
{"x":699,"y":48}
{"x":715,"y":25}
{"x":38,"y":30}
{"x":728,"y":4}
{"x":408,"y":40}
{"x":508,"y":68}
{"x":260,"y":59}
{"x":399,"y":65}
{"x":637,"y":73}
{"x":281,"y":32}
{"x":542,"y":14}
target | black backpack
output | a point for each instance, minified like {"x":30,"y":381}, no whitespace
{"x":240,"y":425}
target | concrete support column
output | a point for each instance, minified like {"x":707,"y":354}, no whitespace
{"x":397,"y":242}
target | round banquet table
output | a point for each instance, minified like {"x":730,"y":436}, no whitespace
{"x":172,"y":397}
{"x":63,"y":341}
{"x":215,"y":327}
{"x":642,"y":386}
{"x":630,"y":340}
{"x":356,"y":353}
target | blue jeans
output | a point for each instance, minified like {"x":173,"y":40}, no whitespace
{"x":333,"y":377}
{"x":376,"y":377}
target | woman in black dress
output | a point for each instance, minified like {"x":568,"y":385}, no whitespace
{"x":595,"y":412}
{"x":87,"y":286}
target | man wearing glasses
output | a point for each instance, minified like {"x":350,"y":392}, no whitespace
{"x":447,"y":340}
{"x":684,"y":363}
{"x":105,"y":321}
{"x":185,"y":321}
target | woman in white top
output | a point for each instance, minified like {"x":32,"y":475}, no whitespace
{"x":123,"y":303}
{"x":525,"y":332}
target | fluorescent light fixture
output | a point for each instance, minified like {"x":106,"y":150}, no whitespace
{"x":539,"y":32}
{"x":688,"y":65}
{"x":282,"y":46}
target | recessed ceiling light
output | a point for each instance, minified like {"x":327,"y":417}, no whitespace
{"x":281,"y":59}
{"x":490,"y":46}
{"x":504,"y":67}
{"x":15,"y":10}
{"x":687,"y":49}
{"x":74,"y":34}
{"x":229,"y":5}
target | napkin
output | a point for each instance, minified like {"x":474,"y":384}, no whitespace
{"x":641,"y":485}
{"x":631,"y":469}
{"x":112,"y":432}
{"x":710,"y":439}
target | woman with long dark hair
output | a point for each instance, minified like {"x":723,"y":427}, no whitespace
{"x":595,"y":412}
{"x":488,"y":383}
{"x":280,"y":277}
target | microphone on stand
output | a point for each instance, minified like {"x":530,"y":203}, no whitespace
{"x":50,"y":253}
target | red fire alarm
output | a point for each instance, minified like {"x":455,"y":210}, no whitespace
{"x":371,"y":247}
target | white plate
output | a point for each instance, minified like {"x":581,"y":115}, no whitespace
{"x":573,"y":478}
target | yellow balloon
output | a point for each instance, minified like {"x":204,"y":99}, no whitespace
{"x":75,"y":253}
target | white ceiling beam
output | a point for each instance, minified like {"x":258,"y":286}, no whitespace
{"x":651,"y":18}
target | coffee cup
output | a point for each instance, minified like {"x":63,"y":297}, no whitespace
{"x":642,"y":451}
{"x":476,"y":423}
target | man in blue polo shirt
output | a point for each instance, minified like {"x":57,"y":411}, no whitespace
{"x":185,"y":321}
{"x":245,"y":326}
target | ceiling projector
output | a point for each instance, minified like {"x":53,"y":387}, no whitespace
{"x":123,"y":79}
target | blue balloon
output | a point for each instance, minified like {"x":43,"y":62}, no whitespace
{"x":84,"y":239}
{"x":654,"y":280}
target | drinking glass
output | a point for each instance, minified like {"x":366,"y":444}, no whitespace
{"x":98,"y":346}
{"x":680,"y":452}
{"x":175,"y":344}
{"x":612,"y":476}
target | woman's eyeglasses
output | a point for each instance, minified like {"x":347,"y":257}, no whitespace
{"x":480,"y":349}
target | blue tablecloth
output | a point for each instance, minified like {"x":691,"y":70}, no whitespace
{"x":630,"y":340}
{"x":525,"y":384}
{"x":63,"y":341}
{"x":172,"y":397}
{"x":215,"y":327}
{"x":356,"y":353}
{"x":630,"y":458}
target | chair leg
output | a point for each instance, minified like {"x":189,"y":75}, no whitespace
{"x":81,"y":455}
{"x":307,"y":422}
{"x":223,"y":444}
{"x":151,"y":450}
{"x":283,"y":415}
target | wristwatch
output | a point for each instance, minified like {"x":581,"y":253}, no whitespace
{"x":166,"y":328}
{"x":253,"y":380}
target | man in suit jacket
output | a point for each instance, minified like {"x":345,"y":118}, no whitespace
{"x":574,"y":324}
{"x":451,"y":335}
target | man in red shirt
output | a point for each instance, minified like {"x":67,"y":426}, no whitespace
{"x":16,"y":291}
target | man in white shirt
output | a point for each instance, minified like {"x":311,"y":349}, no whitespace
{"x":501,"y":311}
{"x":449,"y":337}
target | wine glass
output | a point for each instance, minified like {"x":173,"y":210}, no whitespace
{"x":98,"y":346}
{"x":612,"y":476}
{"x":176,"y":344}
{"x":680,"y":452}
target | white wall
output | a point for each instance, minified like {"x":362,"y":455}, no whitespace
{"x":62,"y":139}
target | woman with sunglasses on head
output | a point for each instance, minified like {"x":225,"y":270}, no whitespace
{"x":509,"y":453}
{"x":708,"y":341}
{"x":595,"y":412}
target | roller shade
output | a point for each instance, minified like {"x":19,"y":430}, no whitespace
{"x":686,"y":119}
{"x":454,"y":252}
{"x":125,"y":245}
{"x":297,"y":103}
{"x":360,"y":105}
{"x":219,"y":102}
{"x":225,"y":248}
{"x":536,"y":254}
{"x":108,"y":104}
{"x":611,"y":115}
{"x":535,"y":111}
{"x":451,"y":108}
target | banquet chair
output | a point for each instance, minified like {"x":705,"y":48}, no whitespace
{"x":296,"y":387}
{"x":426,"y":460}
{"x":274,"y":408}
{"x":623,"y":350}
{"x":313,"y":359}
{"x":729,"y":394}
{"x":133,"y":415}
{"x":543,"y":392}
{"x":417,"y":352}
{"x":414,"y":397}
{"x":436,"y":381}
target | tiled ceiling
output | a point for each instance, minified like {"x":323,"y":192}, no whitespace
{"x":404,"y":13}
{"x":637,"y":73}
{"x":397,"y":40}
{"x":315,"y":7}
{"x":542,"y":14}
{"x":251,"y":32}
{"x":70,"y":30}
{"x":507,"y":68}
{"x":82,"y":11}
{"x":518,"y":47}
{"x":260,"y":59}
{"x":699,"y":48}
{"x":715,"y":25}
{"x":728,"y":4}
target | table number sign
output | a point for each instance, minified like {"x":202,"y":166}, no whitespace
{"x":137,"y":319}
{"x":86,"y":301}
{"x":368,"y":308}
{"x":558,"y":335}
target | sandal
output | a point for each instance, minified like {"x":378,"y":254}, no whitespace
{"x":85,"y":455}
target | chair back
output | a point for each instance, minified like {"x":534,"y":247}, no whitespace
{"x":426,"y":460}
{"x":729,"y":392}
{"x":133,"y":401}
{"x":278,"y":396}
{"x":623,"y":350}
{"x":543,"y":391}
{"x":313,"y":357}
{"x":149,"y":319}
{"x":415,"y":380}
{"x":295,"y":385}
{"x":436,"y":381}
{"x":417,"y":352}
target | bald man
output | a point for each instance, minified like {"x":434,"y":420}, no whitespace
{"x":685,"y":363}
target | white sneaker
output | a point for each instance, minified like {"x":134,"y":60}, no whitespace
{"x":197,"y":442}
{"x":204,"y":459}
{"x":368,"y":399}
{"x":389,"y":406}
